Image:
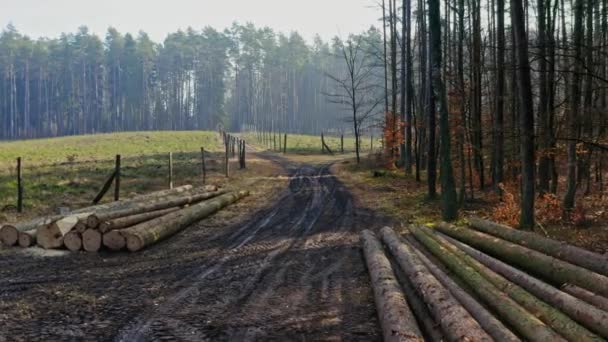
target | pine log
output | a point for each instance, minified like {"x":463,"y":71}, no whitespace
{"x":556,"y":319}
{"x":9,"y":234}
{"x":557,"y":271}
{"x":485,"y":318}
{"x":584,"y":313}
{"x":510,"y":312}
{"x":94,"y":219}
{"x":27,"y":238}
{"x":51,"y":236}
{"x":81,"y":226}
{"x":587,"y":296}
{"x":561,"y":250}
{"x":114,"y":240}
{"x":397,"y":320}
{"x":456,"y":323}
{"x":91,"y":240}
{"x":150,"y":232}
{"x":129,"y":221}
{"x":73,"y":241}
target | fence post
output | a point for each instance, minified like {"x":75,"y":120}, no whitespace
{"x":117,"y":178}
{"x":322,"y":144}
{"x":227,"y":158}
{"x":203,"y":164}
{"x":371,"y":143}
{"x":285,"y":144}
{"x":170,"y":170}
{"x":342,"y":143}
{"x":19,"y":187}
{"x":244,"y":149}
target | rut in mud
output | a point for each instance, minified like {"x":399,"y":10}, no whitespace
{"x":292,"y":271}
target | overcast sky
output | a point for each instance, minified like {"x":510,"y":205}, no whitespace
{"x":49,"y":18}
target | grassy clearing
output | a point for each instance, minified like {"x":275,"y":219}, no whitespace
{"x":68,"y":172}
{"x":311,"y":144}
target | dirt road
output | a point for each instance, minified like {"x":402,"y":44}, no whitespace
{"x":290,"y":271}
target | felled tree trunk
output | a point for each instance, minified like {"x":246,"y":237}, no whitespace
{"x":73,"y":241}
{"x":9,"y":234}
{"x":485,"y":318}
{"x":397,"y":321}
{"x":589,"y":297}
{"x":554,"y":318}
{"x":129,"y":221}
{"x":561,"y":250}
{"x":526,"y":324}
{"x":114,"y":240}
{"x":147,"y":233}
{"x":555,"y":270}
{"x":94,"y":219}
{"x":27,"y":238}
{"x":51,"y":236}
{"x":455,"y":321}
{"x":91,"y":240}
{"x":584,"y":313}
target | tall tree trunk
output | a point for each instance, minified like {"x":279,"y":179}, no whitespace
{"x":526,"y":114}
{"x":498,"y":148}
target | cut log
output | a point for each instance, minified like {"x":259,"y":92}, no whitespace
{"x":486,"y":319}
{"x":129,"y":221}
{"x":510,"y":312}
{"x":9,"y":234}
{"x":561,"y":250}
{"x":51,"y":236}
{"x":585,"y":314}
{"x":81,"y":226}
{"x":456,"y":323}
{"x":91,"y":240}
{"x":94,"y":219}
{"x":73,"y":241}
{"x":147,"y":233}
{"x":557,"y":271}
{"x":114,"y":240}
{"x":397,"y":320}
{"x":589,"y":297}
{"x":27,"y":238}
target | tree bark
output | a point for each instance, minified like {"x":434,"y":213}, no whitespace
{"x":584,"y":313}
{"x":397,"y":320}
{"x":572,"y":254}
{"x":114,"y":240}
{"x":150,"y":232}
{"x":456,"y":322}
{"x":485,"y":318}
{"x":95,"y":219}
{"x":557,"y":271}
{"x":526,"y":324}
{"x":129,"y":221}
{"x":588,"y":296}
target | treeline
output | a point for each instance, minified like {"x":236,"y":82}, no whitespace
{"x":243,"y":77}
{"x":499,"y":92}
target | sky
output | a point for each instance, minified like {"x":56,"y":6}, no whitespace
{"x":49,"y":18}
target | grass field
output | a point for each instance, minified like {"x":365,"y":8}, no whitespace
{"x":311,"y":144}
{"x":69,"y":171}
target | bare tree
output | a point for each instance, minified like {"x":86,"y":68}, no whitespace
{"x":355,"y":88}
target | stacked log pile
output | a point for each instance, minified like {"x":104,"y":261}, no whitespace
{"x":485,"y":282}
{"x":142,"y":220}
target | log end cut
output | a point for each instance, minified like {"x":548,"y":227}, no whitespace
{"x":114,"y":240}
{"x":27,"y":239}
{"x":134,"y":242}
{"x":9,"y":235}
{"x":73,"y":241}
{"x":91,"y":240}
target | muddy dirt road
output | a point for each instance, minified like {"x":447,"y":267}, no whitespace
{"x":290,"y":271}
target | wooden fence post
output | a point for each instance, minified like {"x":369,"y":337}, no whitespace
{"x":170,"y":170}
{"x":227,"y":158}
{"x":371,"y":143}
{"x":274,"y":137}
{"x":285,"y":144}
{"x":203,"y":164}
{"x":19,"y":187}
{"x":322,"y":144}
{"x":342,"y":143}
{"x":117,"y":178}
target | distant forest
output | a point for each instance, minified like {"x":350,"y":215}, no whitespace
{"x":243,"y":77}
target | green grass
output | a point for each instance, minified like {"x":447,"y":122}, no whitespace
{"x":311,"y":144}
{"x":69,"y":171}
